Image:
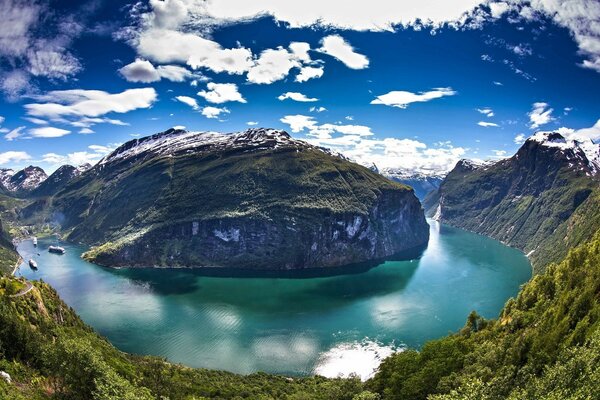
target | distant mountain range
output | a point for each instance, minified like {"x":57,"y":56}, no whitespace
{"x":254,"y":199}
{"x":422,"y":183}
{"x":544,"y":200}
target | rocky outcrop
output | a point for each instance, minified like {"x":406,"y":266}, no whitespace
{"x":254,"y":199}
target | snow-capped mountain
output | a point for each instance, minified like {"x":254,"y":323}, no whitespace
{"x":59,"y":179}
{"x":582,"y":153}
{"x":25,"y":180}
{"x":178,"y":141}
{"x":421,"y":182}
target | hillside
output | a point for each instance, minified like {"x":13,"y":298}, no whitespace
{"x":58,"y":180}
{"x":531,"y":201}
{"x":255,"y":199}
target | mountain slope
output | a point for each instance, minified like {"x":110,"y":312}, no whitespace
{"x":58,"y":180}
{"x":255,"y":199}
{"x":23,"y":181}
{"x":524,"y":201}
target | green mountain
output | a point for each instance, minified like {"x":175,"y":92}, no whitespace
{"x":255,"y":199}
{"x":542,"y":200}
{"x":58,"y":180}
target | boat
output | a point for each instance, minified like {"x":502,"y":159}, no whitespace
{"x":32,"y":264}
{"x":56,"y":249}
{"x":34,"y":241}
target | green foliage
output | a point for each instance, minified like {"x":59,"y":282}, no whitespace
{"x":545,"y":344}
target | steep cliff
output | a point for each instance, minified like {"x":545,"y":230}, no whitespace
{"x":255,"y":199}
{"x":531,"y":201}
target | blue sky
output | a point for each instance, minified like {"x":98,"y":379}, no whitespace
{"x":372,"y":81}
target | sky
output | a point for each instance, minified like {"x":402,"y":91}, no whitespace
{"x":413,"y":84}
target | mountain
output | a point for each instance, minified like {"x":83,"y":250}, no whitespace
{"x":420,"y":182}
{"x":254,"y":199}
{"x":8,"y":254}
{"x":23,"y":181}
{"x":59,"y":179}
{"x":532,"y":201}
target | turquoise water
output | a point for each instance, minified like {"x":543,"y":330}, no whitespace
{"x":291,"y":325}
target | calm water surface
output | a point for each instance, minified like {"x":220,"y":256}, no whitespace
{"x":291,"y":325}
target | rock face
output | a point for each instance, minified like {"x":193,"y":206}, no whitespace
{"x":527,"y":201}
{"x":255,"y":199}
{"x":23,"y":181}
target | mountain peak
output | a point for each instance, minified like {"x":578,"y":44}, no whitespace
{"x":177,"y":141}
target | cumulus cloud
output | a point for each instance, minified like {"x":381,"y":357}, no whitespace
{"x":272,"y":65}
{"x":402,"y":99}
{"x":143,"y":71}
{"x":337,"y":47}
{"x":13,"y":156}
{"x":167,"y":46}
{"x":48,"y":132}
{"x":95,"y":153}
{"x":190,"y":101}
{"x":376,"y":15}
{"x":89,"y":103}
{"x":307,"y":73}
{"x":358,"y":143}
{"x":520,"y":139}
{"x":540,"y":114}
{"x":296,"y":97}
{"x":214,"y":112}
{"x":299,"y":123}
{"x":220,"y":93}
{"x":487,"y":124}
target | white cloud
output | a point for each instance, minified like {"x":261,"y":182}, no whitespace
{"x":487,"y":124}
{"x":583,"y":134}
{"x":13,"y":156}
{"x":86,"y":131}
{"x":143,"y":71}
{"x":190,"y":101}
{"x":272,"y":65}
{"x":307,"y":73}
{"x":166,"y":46}
{"x":296,"y":97}
{"x":580,"y":17}
{"x":488,"y":112}
{"x":14,"y":134}
{"x":36,"y":121}
{"x":498,"y":83}
{"x":358,"y":143}
{"x":540,"y":114}
{"x":140,"y":71}
{"x":220,"y":93}
{"x":402,"y":99}
{"x":498,"y":9}
{"x":214,"y":112}
{"x":317,"y":109}
{"x":499,"y":153}
{"x":79,"y":157}
{"x":48,"y":132}
{"x":90,"y":103}
{"x":337,"y":47}
{"x":175,"y":73}
{"x":520,"y":139}
{"x":53,"y":64}
{"x":299,"y":123}
{"x":374,"y":15}
{"x":251,"y":123}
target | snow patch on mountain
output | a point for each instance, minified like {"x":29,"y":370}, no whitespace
{"x":583,"y":149}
